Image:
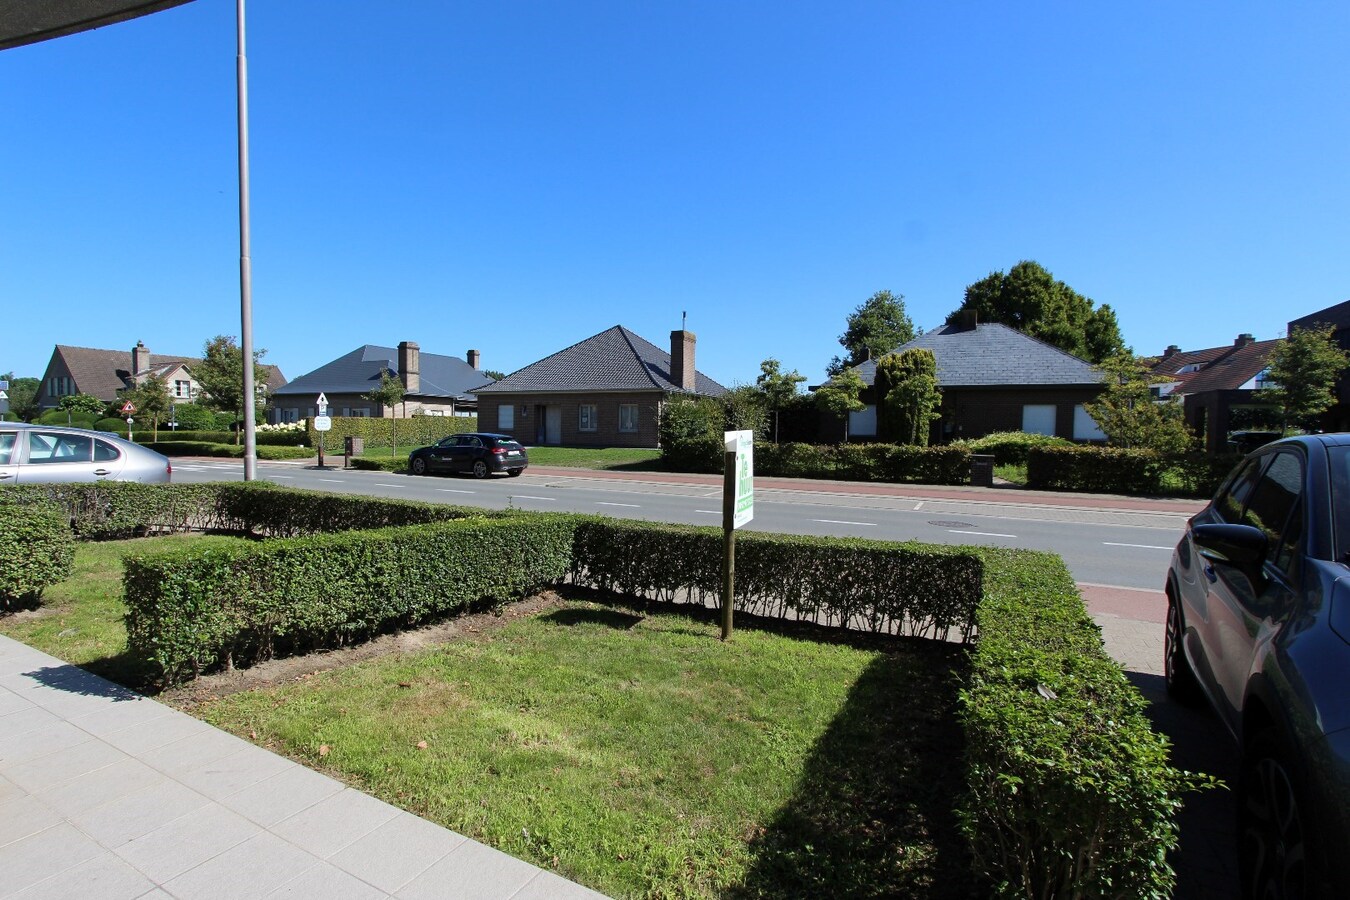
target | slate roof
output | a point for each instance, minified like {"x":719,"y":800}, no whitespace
{"x":103,"y":373}
{"x":613,"y":360}
{"x":1180,"y":360}
{"x":994,"y":355}
{"x":357,"y":372}
{"x":1230,"y":371}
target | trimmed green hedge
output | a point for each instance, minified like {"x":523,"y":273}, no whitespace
{"x":376,"y":464}
{"x":1012,"y":447}
{"x":1111,"y":470}
{"x":262,"y":509}
{"x":38,"y":550}
{"x":1070,"y":793}
{"x":878,"y":586}
{"x":191,"y":610}
{"x":108,"y":510}
{"x":415,"y":431}
{"x":865,"y":462}
{"x":234,"y":451}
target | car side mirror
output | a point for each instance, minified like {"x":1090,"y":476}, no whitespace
{"x":1241,"y":546}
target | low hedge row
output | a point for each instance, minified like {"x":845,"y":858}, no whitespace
{"x":878,"y":586}
{"x":865,"y":462}
{"x":38,"y":550}
{"x":414,"y":431}
{"x":107,"y":510}
{"x":1012,"y":447}
{"x":1069,"y":791}
{"x":1111,"y":470}
{"x":261,"y":438}
{"x":236,"y":451}
{"x":189,"y":610}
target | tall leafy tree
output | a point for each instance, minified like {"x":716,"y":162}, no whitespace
{"x":23,"y":396}
{"x":1031,"y":300}
{"x":221,"y":376}
{"x":1130,"y":416}
{"x":151,"y":399}
{"x":778,"y":387}
{"x":907,"y":386}
{"x":1304,"y":367}
{"x":841,"y":395}
{"x":85,"y":403}
{"x":875,"y":328}
{"x":388,"y":394}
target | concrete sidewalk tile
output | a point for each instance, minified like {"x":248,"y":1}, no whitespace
{"x":18,"y":747}
{"x":330,"y":883}
{"x":26,"y":720}
{"x":23,"y":816}
{"x":11,"y":702}
{"x":10,"y":791}
{"x":326,"y":827}
{"x":127,"y":818}
{"x":193,"y":751}
{"x":157,"y":894}
{"x":471,"y":870}
{"x":252,"y":869}
{"x":397,"y":852}
{"x":283,"y":795}
{"x":139,"y":739}
{"x":93,"y":789}
{"x":112,"y":717}
{"x":222,"y":777}
{"x":104,"y":877}
{"x":551,"y":886}
{"x":63,"y":765}
{"x":42,"y":855}
{"x":185,"y":843}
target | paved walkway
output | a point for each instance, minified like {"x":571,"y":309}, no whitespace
{"x":107,"y":794}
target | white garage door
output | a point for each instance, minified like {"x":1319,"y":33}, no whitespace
{"x":1039,"y":419}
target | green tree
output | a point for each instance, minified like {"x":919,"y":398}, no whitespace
{"x":1029,"y":299}
{"x":493,"y":374}
{"x":151,"y":399}
{"x":841,"y":395}
{"x":690,"y":433}
{"x":778,"y":387}
{"x":1130,"y":416}
{"x":907,"y":386}
{"x":743,"y":409}
{"x":389,"y":394}
{"x":221,"y":377}
{"x":23,"y":396}
{"x":1304,"y":367}
{"x":874,"y":329}
{"x":85,"y":403}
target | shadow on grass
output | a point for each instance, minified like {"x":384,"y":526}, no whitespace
{"x":611,"y":618}
{"x":873,"y":814}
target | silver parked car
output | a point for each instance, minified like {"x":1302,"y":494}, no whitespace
{"x":32,"y":454}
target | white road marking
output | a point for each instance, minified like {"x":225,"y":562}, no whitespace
{"x":629,"y":505}
{"x":383,"y":484}
{"x":453,"y":491}
{"x":528,"y":497}
{"x":919,"y":505}
{"x":711,"y":512}
{"x":1139,"y":546}
{"x":982,"y":533}
{"x":333,"y":480}
{"x":716,"y":493}
{"x":841,"y":522}
{"x":286,"y":477}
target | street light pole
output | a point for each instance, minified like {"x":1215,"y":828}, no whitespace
{"x":245,"y":259}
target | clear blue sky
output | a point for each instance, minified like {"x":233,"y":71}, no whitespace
{"x":515,"y":177}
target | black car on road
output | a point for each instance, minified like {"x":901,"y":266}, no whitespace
{"x":1258,"y":624}
{"x":478,"y":453}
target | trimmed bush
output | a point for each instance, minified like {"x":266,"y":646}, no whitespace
{"x":1070,"y":793}
{"x":38,"y":550}
{"x":1200,"y":475}
{"x":376,"y":464}
{"x":878,"y":586}
{"x":228,"y":451}
{"x":191,"y":610}
{"x":1106,"y":470}
{"x":262,"y":509}
{"x":415,"y":431}
{"x":1012,"y":447}
{"x":865,"y":462}
{"x":108,"y":510}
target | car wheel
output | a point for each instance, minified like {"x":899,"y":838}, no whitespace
{"x":514,"y":472}
{"x":418,"y":466}
{"x":480,"y":469}
{"x":1275,"y":853}
{"x":1181,"y":681}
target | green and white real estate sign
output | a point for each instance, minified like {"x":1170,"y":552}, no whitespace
{"x":742,"y":443}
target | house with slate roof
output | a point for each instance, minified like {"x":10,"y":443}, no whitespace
{"x":102,"y":373}
{"x":993,"y":378}
{"x":433,"y":385}
{"x":1214,"y":383}
{"x":606,"y":391}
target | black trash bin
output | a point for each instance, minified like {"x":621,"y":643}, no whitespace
{"x":982,"y":469}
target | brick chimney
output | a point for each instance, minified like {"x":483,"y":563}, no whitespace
{"x":1172,"y":350}
{"x":409,"y":367}
{"x":473,"y":357}
{"x":682,"y":359}
{"x":140,"y":359}
{"x":967,"y":320}
{"x":1243,"y":340}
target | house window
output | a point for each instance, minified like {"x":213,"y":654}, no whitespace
{"x":60,"y":386}
{"x":1039,"y":419}
{"x":182,"y":389}
{"x":1263,"y":380}
{"x":506,"y":417}
{"x":628,"y":417}
{"x":586,"y":417}
{"x":1085,"y":428}
{"x":863,"y":423}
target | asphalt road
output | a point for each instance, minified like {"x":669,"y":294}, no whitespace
{"x":1101,"y":546}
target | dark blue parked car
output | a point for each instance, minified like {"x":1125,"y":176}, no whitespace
{"x":1259,"y":624}
{"x":479,"y":454}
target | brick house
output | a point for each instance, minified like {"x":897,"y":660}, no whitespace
{"x":433,"y":385}
{"x":992,"y":378}
{"x":1214,"y":383}
{"x":1338,"y":417}
{"x":606,"y":391}
{"x":102,"y":373}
